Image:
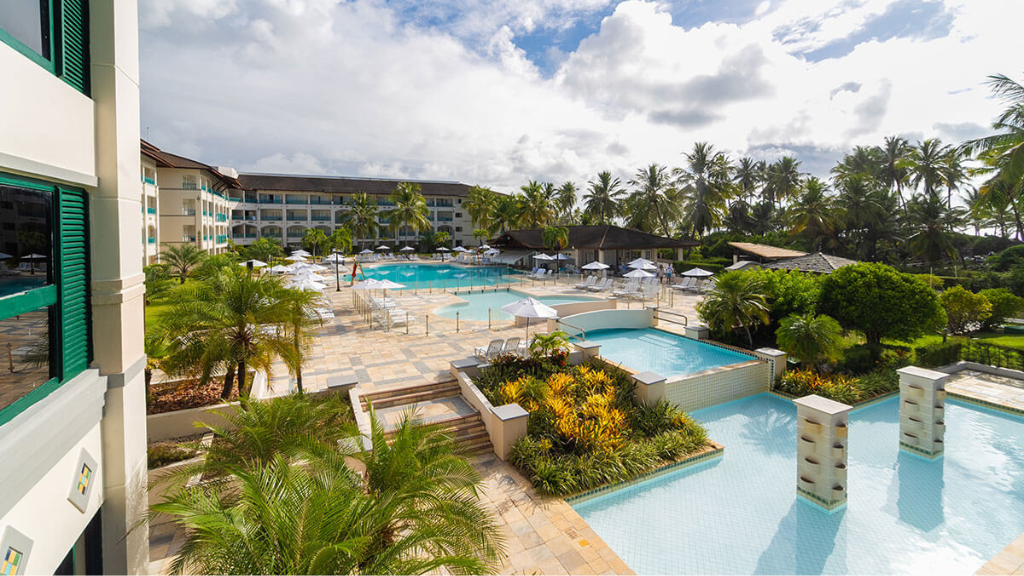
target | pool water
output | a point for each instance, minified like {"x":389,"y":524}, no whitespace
{"x":661,"y":352}
{"x":423,"y":276}
{"x":477,"y":304}
{"x":739,"y":514}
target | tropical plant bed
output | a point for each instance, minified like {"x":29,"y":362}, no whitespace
{"x":170,"y":451}
{"x":185,"y":394}
{"x":850,"y":390}
{"x":586,"y":428}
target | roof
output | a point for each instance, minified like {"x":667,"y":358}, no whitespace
{"x":165,"y":159}
{"x":818,"y":262}
{"x":346,"y":185}
{"x":743,"y":265}
{"x":766,"y":251}
{"x":592,"y":238}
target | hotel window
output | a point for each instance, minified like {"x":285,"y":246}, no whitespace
{"x":44,"y":300}
{"x":52,"y":33}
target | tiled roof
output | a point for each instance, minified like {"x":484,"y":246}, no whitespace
{"x":165,"y":159}
{"x":766,"y":251}
{"x":818,"y":262}
{"x":592,"y":238}
{"x":346,"y":185}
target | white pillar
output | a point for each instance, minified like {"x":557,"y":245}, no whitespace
{"x":922,"y":411}
{"x":822,"y":435}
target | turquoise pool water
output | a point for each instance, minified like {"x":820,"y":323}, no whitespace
{"x":661,"y":352}
{"x":423,"y":276}
{"x":477,"y":304}
{"x":739,"y":514}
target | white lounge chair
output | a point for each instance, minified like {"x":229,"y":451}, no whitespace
{"x":586,"y":284}
{"x":602,"y":286}
{"x":491,"y":350}
{"x":511,"y":346}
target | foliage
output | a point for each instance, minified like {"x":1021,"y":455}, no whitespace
{"x":934,"y":282}
{"x":812,"y":339}
{"x":410,"y":209}
{"x":264,"y":249}
{"x":680,"y":266}
{"x":182,"y":259}
{"x":547,"y":344}
{"x":214,"y":264}
{"x":937,"y":354}
{"x":1004,"y":305}
{"x":838,"y":387}
{"x":789,"y":292}
{"x":880,"y":302}
{"x":314,"y":239}
{"x":165,"y":453}
{"x":738,"y":301}
{"x":158,"y":282}
{"x":965,"y":310}
{"x":339,"y":241}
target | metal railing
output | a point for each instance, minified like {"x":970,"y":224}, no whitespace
{"x":658,"y":312}
{"x":583,"y":332}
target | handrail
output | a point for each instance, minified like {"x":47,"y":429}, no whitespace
{"x":658,"y":312}
{"x":582,"y":331}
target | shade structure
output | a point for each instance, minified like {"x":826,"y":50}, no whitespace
{"x":595,"y":265}
{"x":368,"y":284}
{"x":279,"y":269}
{"x":443,"y":249}
{"x":335,"y":257}
{"x":33,"y":257}
{"x":645,"y":265}
{"x":4,"y":256}
{"x":562,"y":257}
{"x":542,"y":256}
{"x":383,"y":247}
{"x":638,"y":273}
{"x":639,"y":261}
{"x":315,"y":268}
{"x":457,"y":249}
{"x":307,"y":285}
{"x":307,"y":275}
{"x":389,"y":285}
{"x":255,"y":263}
{"x":484,"y":247}
{"x":407,"y":249}
{"x":529,"y":308}
{"x":296,"y":258}
{"x":492,"y":252}
{"x":698,"y":273}
{"x":300,"y":252}
{"x":366,"y":251}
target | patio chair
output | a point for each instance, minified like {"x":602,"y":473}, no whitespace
{"x":491,"y":350}
{"x":511,"y":346}
{"x":626,"y":290}
{"x":602,"y":286}
{"x":588,"y":283}
{"x":708,"y":286}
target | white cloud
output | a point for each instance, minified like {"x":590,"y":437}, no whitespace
{"x":351,"y":88}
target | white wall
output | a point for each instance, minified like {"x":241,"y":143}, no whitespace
{"x":606,"y":319}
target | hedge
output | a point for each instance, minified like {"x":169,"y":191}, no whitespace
{"x":938,"y":354}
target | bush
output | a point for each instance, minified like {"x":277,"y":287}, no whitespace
{"x":811,"y":339}
{"x":166,"y":453}
{"x":965,"y":310}
{"x":937,"y":354}
{"x":1012,"y":257}
{"x":838,"y":387}
{"x":878,"y":382}
{"x":1004,"y":305}
{"x":856,"y":360}
{"x":790,"y":292}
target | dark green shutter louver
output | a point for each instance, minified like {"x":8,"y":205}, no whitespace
{"x":74,"y":40}
{"x":74,"y":281}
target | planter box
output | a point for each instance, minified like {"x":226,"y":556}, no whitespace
{"x":184,"y":422}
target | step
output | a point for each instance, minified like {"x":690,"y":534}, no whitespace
{"x":461,"y":425}
{"x":414,"y":398}
{"x":406,"y":390}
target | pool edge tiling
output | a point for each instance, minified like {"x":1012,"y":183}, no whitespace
{"x":739,"y":514}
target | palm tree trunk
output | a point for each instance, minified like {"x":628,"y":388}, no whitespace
{"x":750,"y":339}
{"x":243,"y":386}
{"x":229,"y":384}
{"x":1016,"y":218}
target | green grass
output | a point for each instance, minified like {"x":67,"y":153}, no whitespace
{"x":1010,"y":341}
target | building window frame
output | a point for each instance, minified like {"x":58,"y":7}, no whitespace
{"x":46,"y":8}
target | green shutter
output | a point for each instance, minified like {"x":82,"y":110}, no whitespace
{"x":74,"y":44}
{"x":74,"y":282}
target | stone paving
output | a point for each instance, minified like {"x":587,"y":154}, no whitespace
{"x":988,"y":388}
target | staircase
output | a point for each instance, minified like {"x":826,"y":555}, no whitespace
{"x":468,"y":430}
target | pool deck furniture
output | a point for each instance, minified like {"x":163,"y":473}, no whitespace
{"x":587,"y":283}
{"x":491,"y":350}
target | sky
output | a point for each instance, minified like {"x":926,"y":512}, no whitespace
{"x":499,"y":92}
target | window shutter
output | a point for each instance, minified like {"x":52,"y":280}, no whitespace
{"x":74,"y":40}
{"x":74,"y":282}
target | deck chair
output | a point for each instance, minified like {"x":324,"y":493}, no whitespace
{"x":491,"y":350}
{"x":511,"y":346}
{"x":586,"y":284}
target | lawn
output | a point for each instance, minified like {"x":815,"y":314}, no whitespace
{"x":1008,"y":340}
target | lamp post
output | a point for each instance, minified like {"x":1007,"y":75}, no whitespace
{"x":337,"y":273}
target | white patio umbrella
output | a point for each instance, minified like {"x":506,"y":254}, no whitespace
{"x":383,"y":247}
{"x":334,"y":258}
{"x":33,"y":257}
{"x":542,"y":256}
{"x":255,"y":263}
{"x":645,"y":265}
{"x":314,"y":267}
{"x":698,"y":273}
{"x":4,"y":256}
{"x":460,"y":249}
{"x":300,"y":252}
{"x":308,"y":285}
{"x":484,"y":247}
{"x":407,"y":249}
{"x":368,"y":284}
{"x":366,"y":251}
{"x":279,"y":269}
{"x":529,"y":308}
{"x":295,"y":258}
{"x":595,"y":265}
{"x":639,"y":261}
{"x":638,"y":273}
{"x":443,"y":249}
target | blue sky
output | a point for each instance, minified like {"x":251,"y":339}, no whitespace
{"x":496,"y":93}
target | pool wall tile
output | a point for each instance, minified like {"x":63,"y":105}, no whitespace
{"x":718,"y":385}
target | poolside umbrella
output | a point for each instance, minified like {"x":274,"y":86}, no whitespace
{"x":638,"y":273}
{"x":484,"y":247}
{"x":442,"y":250}
{"x":698,"y":273}
{"x":407,"y":249}
{"x":335,"y":257}
{"x":33,"y":257}
{"x":460,"y":249}
{"x":279,"y":269}
{"x":368,"y":284}
{"x":300,"y":253}
{"x":383,"y":247}
{"x":529,"y":308}
{"x":595,"y":265}
{"x":4,"y":256}
{"x":295,"y":258}
{"x":254,"y":263}
{"x":367,"y":251}
{"x":308,"y":285}
{"x":638,"y":262}
{"x":315,"y":268}
{"x":645,"y":265}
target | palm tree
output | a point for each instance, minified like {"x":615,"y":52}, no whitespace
{"x":222,"y":323}
{"x":812,"y":339}
{"x":536,"y":207}
{"x":748,"y":174}
{"x":654,"y":191}
{"x":265,"y":249}
{"x":863,"y":162}
{"x":782,"y":179}
{"x":738,"y":300}
{"x":565,"y":199}
{"x":895,"y":162}
{"x":340,"y":240}
{"x":556,"y":238}
{"x":361,"y":217}
{"x":479,"y":204}
{"x":927,"y":162}
{"x":933,"y":224}
{"x":183,"y":258}
{"x":603,"y":197}
{"x":506,"y":215}
{"x":860,"y":208}
{"x":706,"y":187}
{"x":480,"y":235}
{"x":813,"y":213}
{"x":410,"y":209}
{"x":954,"y":173}
{"x":314,"y":238}
{"x":300,"y":319}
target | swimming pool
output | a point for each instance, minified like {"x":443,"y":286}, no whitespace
{"x":661,"y":352}
{"x":423,"y":276}
{"x":739,"y":513}
{"x":477,"y":304}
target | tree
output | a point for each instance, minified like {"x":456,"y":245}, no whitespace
{"x":361,"y":217}
{"x":264,"y":249}
{"x":536,"y":206}
{"x":410,"y":210}
{"x":782,"y":179}
{"x":706,"y":187}
{"x":927,"y":163}
{"x":507,"y":214}
{"x":738,"y":301}
{"x":340,"y":240}
{"x":813,"y":214}
{"x":603,"y":198}
{"x":789,"y":292}
{"x":933,"y":224}
{"x":300,"y":319}
{"x":814,"y":340}
{"x":442,"y":237}
{"x":1004,"y":305}
{"x":481,"y":234}
{"x":313,"y":239}
{"x":565,"y":199}
{"x":895,"y":162}
{"x":182,"y":259}
{"x":880,"y":302}
{"x":227,"y":322}
{"x":655,"y":195}
{"x":479,"y":204}
{"x":555,"y":238}
{"x":214,"y":264}
{"x":965,"y":310}
{"x":158,"y":282}
{"x":548,"y":344}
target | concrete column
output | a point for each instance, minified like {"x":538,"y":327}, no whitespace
{"x":922,"y":411}
{"x":590,"y":350}
{"x":697,"y":332}
{"x":777,"y":358}
{"x":822,"y":435}
{"x":653,"y":310}
{"x":510,"y":425}
{"x":650,"y":387}
{"x":117,"y":283}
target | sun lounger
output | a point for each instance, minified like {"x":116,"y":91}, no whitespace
{"x":511,"y":346}
{"x":586,"y":284}
{"x":491,"y":350}
{"x":603,"y":286}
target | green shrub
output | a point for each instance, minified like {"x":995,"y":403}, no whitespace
{"x":163,"y":454}
{"x":937,"y":354}
{"x":1004,"y":305}
{"x":856,"y":360}
{"x":965,"y":310}
{"x":836,"y":387}
{"x":878,"y":382}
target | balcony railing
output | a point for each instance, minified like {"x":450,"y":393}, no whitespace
{"x":296,"y":218}
{"x":188,"y":211}
{"x":271,"y":234}
{"x":321,"y":218}
{"x":270,"y":199}
{"x":266,"y":218}
{"x":444,"y":203}
{"x":320,"y":201}
{"x":151,"y":210}
{"x":295,"y":201}
{"x":188,"y":238}
{"x":150,"y":181}
{"x":243,"y":235}
{"x":222,"y":217}
{"x":151,"y":240}
{"x":293,"y":234}
{"x":189,"y":186}
{"x":444,"y":219}
{"x":222,"y":239}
